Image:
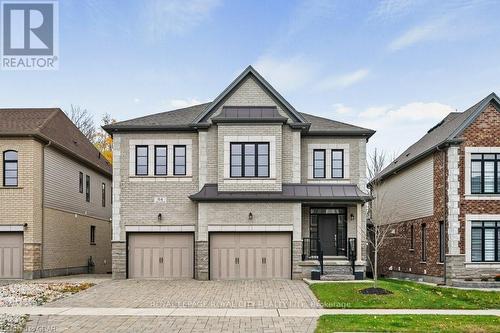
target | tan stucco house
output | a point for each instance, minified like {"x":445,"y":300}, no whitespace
{"x":243,"y":187}
{"x":55,"y":197}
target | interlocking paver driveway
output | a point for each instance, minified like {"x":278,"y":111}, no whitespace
{"x":97,"y":324}
{"x":264,"y":294}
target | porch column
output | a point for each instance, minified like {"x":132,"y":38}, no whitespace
{"x":359,"y":233}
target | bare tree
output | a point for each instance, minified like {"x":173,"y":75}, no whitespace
{"x":380,"y":212}
{"x":83,"y":120}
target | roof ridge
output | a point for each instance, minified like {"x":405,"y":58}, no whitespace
{"x":46,"y":121}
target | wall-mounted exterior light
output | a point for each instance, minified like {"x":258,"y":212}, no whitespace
{"x":250,"y":216}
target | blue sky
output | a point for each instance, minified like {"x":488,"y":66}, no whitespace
{"x":397,"y":66}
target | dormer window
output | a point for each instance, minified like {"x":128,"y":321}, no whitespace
{"x":249,"y":159}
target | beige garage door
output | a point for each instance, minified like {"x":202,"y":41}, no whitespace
{"x":160,"y":256}
{"x":11,"y":255}
{"x":250,"y":256}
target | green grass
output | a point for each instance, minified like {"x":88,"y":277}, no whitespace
{"x":407,"y":323}
{"x":406,"y":295}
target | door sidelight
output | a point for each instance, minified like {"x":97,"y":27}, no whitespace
{"x":237,"y":261}
{"x":264,"y":260}
{"x":161,"y":260}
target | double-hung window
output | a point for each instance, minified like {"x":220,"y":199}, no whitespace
{"x":160,"y":160}
{"x":10,"y":168}
{"x":337,"y":163}
{"x":180,"y":160}
{"x":103,"y":194}
{"x":92,"y":235}
{"x":249,"y":159}
{"x":412,"y":238}
{"x":87,"y":188}
{"x":423,"y":236}
{"x":319,"y":166}
{"x":485,"y":173}
{"x":80,"y":182}
{"x":485,"y":238}
{"x":141,"y":160}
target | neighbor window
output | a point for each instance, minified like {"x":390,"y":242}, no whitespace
{"x":87,"y":188}
{"x":103,"y":194}
{"x":337,"y":163}
{"x":141,"y":160}
{"x":180,"y":160}
{"x":10,"y":168}
{"x":249,"y":159}
{"x":485,"y":173}
{"x":485,"y":239}
{"x":442,"y":241}
{"x":423,"y":236}
{"x":80,"y":182}
{"x":161,"y":160}
{"x":92,"y":234}
{"x":412,"y":238}
{"x":319,"y":163}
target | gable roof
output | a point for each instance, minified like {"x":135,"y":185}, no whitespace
{"x":250,"y":71}
{"x":52,"y":125}
{"x":445,"y":132}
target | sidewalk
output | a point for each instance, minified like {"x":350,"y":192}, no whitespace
{"x":210,"y":312}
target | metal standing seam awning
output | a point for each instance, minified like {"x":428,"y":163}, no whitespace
{"x":289,"y":193}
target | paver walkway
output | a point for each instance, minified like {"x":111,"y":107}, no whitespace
{"x":263,"y":294}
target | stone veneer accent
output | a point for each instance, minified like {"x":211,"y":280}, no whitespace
{"x":453,"y":200}
{"x":32,"y":258}
{"x":119,"y":257}
{"x":201,"y":260}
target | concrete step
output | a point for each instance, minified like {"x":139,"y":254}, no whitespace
{"x":337,"y":277}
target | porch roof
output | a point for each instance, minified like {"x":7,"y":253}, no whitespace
{"x":290,"y":192}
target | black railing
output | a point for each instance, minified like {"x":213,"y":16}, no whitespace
{"x":311,"y":249}
{"x":352,"y":251}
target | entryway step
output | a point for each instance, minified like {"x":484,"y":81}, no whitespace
{"x":337,"y":277}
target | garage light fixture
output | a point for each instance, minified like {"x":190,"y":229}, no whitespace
{"x":352,"y":217}
{"x":250,"y":216}
{"x":159,"y":217}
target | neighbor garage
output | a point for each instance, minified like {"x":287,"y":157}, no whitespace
{"x":11,"y":255}
{"x":250,"y":256}
{"x":160,"y":255}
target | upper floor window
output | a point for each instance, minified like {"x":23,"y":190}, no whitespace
{"x":141,"y":160}
{"x":180,"y":160}
{"x":337,"y":163}
{"x":423,"y":236}
{"x":10,"y":168}
{"x":249,"y":159}
{"x":485,"y":173}
{"x":485,"y":241}
{"x":103,"y":194}
{"x":80,"y":182}
{"x":87,"y":188}
{"x":161,"y":160}
{"x":319,"y":166}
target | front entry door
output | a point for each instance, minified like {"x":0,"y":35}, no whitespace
{"x":327,"y":230}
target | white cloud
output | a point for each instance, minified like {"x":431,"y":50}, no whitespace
{"x":183,"y":103}
{"x":374,"y":112}
{"x":433,"y":30}
{"x":341,"y":108}
{"x":391,"y":9}
{"x":137,"y":100}
{"x":343,"y":81}
{"x":287,"y":74}
{"x":177,"y":16}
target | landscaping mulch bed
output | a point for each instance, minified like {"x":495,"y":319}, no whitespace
{"x":375,"y":291}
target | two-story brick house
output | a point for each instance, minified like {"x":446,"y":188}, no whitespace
{"x":55,"y":197}
{"x":441,"y":198}
{"x":242,"y":187}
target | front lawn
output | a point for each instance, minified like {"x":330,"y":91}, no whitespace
{"x":405,"y":295}
{"x":407,"y":323}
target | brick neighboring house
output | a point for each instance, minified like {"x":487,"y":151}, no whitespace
{"x":55,"y":197}
{"x":242,"y":187}
{"x":442,"y":196}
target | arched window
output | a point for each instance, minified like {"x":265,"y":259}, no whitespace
{"x":10,"y":168}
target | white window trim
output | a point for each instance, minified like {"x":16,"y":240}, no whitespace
{"x":251,"y":138}
{"x":159,"y":228}
{"x":468,"y":225}
{"x":170,"y":159}
{"x":11,"y":227}
{"x":328,"y":163}
{"x":468,"y":156}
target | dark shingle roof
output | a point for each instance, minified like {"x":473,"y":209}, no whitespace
{"x":52,"y":125}
{"x":445,"y":131}
{"x":290,"y":192}
{"x":181,"y":119}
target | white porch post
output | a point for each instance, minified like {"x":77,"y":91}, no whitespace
{"x":359,"y":233}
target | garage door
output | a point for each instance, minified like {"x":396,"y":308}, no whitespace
{"x":250,"y":256}
{"x":161,"y":255}
{"x":11,"y":255}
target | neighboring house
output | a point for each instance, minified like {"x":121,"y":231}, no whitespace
{"x":55,"y":197}
{"x":239,"y":188}
{"x":442,"y":196}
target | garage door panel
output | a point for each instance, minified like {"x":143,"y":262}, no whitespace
{"x":249,"y":256}
{"x":11,"y":255}
{"x":161,"y":255}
